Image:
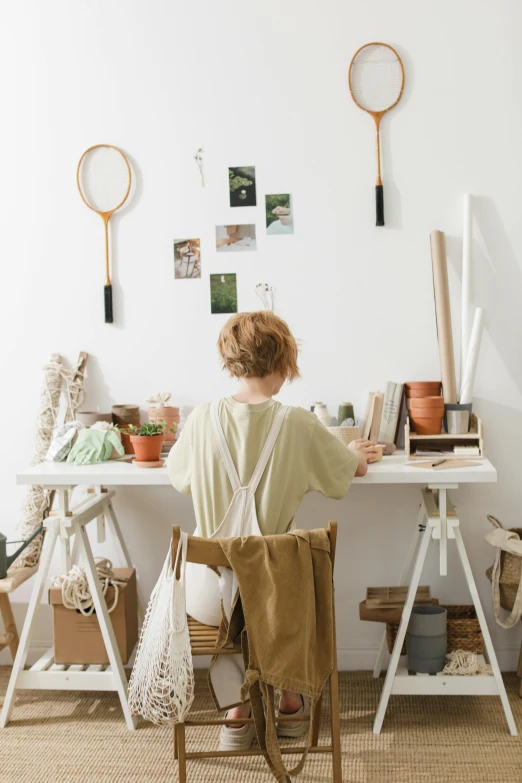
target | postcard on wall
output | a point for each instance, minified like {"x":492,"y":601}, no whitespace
{"x":223,"y":293}
{"x":187,"y":259}
{"x":279,"y":214}
{"x":229,"y":238}
{"x":242,"y":186}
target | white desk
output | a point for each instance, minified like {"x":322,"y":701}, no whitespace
{"x":436,"y":521}
{"x":390,"y":470}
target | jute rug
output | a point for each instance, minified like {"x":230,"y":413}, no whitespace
{"x":63,"y":737}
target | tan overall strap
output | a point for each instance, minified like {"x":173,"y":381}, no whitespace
{"x":264,"y":717}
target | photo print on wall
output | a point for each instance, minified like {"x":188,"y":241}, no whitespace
{"x":187,"y":259}
{"x":279,"y":214}
{"x":223,"y":293}
{"x":236,"y":237}
{"x":242,"y":186}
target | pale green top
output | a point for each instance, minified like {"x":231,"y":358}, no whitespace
{"x":306,"y":457}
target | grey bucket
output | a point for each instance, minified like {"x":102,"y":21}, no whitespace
{"x":426,"y":639}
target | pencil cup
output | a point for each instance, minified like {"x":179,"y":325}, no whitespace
{"x":457,"y":418}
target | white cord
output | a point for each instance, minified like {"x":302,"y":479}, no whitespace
{"x":76,"y":593}
{"x":464,"y":663}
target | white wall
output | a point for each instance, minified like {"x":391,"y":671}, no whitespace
{"x":264,"y":84}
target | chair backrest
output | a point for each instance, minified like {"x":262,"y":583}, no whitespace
{"x":207,"y":551}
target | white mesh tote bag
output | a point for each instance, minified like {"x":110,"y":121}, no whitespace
{"x":161,"y":687}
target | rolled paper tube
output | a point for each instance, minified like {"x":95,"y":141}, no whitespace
{"x":465,"y":310}
{"x":443,"y":316}
{"x":468,"y":381}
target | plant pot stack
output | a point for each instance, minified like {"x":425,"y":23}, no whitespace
{"x":169,"y":415}
{"x":425,"y":406}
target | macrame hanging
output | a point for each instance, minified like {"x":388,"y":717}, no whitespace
{"x":39,"y":500}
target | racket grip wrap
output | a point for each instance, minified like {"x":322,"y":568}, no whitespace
{"x":108,"y":304}
{"x":379,"y":206}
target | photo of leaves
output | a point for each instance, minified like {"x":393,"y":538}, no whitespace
{"x":242,"y":186}
{"x":223,"y":293}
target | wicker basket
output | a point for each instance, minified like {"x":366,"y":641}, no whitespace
{"x":345,"y":434}
{"x":510,"y":571}
{"x":463,"y":631}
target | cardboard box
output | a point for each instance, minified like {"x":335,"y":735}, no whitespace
{"x":78,"y":639}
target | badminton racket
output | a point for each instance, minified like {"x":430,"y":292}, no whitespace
{"x":104,"y":182}
{"x":376,"y":81}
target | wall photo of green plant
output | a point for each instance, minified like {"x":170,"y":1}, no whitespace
{"x":242,"y":186}
{"x":223,"y":293}
{"x":279,"y":214}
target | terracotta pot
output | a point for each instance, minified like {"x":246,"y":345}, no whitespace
{"x":427,"y":402}
{"x":170,"y":416}
{"x":126,"y":442}
{"x":428,"y":425}
{"x":420,"y":385}
{"x":418,"y":394}
{"x":147,"y":447}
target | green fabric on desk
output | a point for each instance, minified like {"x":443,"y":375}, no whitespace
{"x":95,"y":446}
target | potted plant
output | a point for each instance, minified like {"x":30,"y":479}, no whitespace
{"x":147,"y":440}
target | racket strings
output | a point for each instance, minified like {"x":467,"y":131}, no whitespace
{"x":376,"y":78}
{"x":104,"y":179}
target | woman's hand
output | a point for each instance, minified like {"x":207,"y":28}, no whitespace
{"x":367,"y":452}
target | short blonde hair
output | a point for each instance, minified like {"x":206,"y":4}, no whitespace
{"x":254,"y":345}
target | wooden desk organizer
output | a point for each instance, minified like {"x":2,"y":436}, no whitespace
{"x":475,"y":437}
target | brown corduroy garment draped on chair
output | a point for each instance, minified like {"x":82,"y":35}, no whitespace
{"x":283,"y":617}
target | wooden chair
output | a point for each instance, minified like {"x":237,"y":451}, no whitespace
{"x":203,"y":642}
{"x":15,"y":577}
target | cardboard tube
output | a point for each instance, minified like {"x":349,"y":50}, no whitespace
{"x":443,"y":316}
{"x":465,"y":311}
{"x":470,"y":370}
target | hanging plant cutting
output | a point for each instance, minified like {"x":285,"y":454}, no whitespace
{"x":147,"y":440}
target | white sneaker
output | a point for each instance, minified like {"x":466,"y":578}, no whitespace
{"x":299,"y":728}
{"x":233,"y":738}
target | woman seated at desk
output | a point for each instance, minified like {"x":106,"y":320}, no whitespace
{"x":220,"y":446}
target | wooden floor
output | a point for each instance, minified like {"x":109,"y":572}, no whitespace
{"x":64,"y":737}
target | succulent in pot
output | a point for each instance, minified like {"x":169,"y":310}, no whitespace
{"x":147,"y":440}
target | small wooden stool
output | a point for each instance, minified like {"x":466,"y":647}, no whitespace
{"x":15,"y":577}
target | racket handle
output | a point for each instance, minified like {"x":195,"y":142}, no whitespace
{"x":108,"y":304}
{"x":379,"y":206}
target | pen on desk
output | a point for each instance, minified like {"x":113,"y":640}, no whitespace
{"x":439,"y":462}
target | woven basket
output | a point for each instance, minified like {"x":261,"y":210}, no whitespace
{"x":345,"y":434}
{"x":510,"y":571}
{"x":126,"y":414}
{"x":463,"y":631}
